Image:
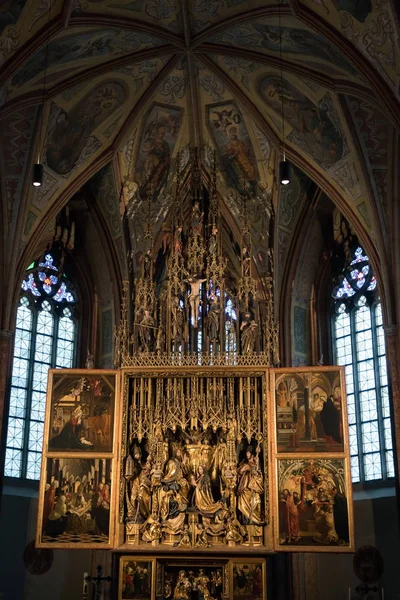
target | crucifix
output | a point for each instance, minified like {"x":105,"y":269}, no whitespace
{"x":98,"y":581}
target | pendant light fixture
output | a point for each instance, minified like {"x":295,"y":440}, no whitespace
{"x":37,"y":170}
{"x":284,"y":166}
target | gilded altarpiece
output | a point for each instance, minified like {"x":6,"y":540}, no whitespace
{"x":195,"y":468}
{"x":196,"y":442}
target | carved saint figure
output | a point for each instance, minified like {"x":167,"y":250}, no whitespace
{"x":248,"y":334}
{"x":174,"y":493}
{"x":235,"y":532}
{"x":151,"y":531}
{"x":177,"y":320}
{"x":250,"y":488}
{"x":89,"y":364}
{"x":140,"y":493}
{"x":146,"y":327}
{"x":178,"y":240}
{"x":212,"y":242}
{"x":201,"y":537}
{"x":185,"y":539}
{"x":202,"y":497}
{"x":245,"y":262}
{"x":147,"y":264}
{"x":196,"y":218}
{"x":213,"y":319}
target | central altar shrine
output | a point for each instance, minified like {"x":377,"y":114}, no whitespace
{"x":196,"y":469}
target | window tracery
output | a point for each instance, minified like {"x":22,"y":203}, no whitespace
{"x":359,"y":345}
{"x":45,"y":337}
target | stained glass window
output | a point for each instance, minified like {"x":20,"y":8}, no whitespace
{"x":360,"y":346}
{"x":44,"y":337}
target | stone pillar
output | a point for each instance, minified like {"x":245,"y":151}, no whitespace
{"x":305,"y":576}
{"x":5,"y":368}
{"x":392,"y":348}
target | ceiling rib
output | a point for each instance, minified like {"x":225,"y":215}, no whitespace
{"x":135,"y":57}
{"x":126,"y":128}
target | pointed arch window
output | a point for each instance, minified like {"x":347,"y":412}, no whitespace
{"x":45,"y":337}
{"x":359,"y":345}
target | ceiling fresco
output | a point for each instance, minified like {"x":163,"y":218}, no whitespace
{"x":82,"y":47}
{"x":162,"y":13}
{"x":370,"y":26}
{"x":297,"y":43}
{"x":22,"y":20}
{"x":130,"y":83}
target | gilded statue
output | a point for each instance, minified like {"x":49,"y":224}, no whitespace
{"x":202,"y":497}
{"x":146,"y":329}
{"x":213,"y":319}
{"x":139,"y":500}
{"x":235,"y":532}
{"x":196,"y":218}
{"x":185,"y":541}
{"x":151,"y":530}
{"x":248,"y":334}
{"x":202,"y":540}
{"x":174,"y":493}
{"x":177,"y":321}
{"x":212,"y":242}
{"x":196,"y":482}
{"x":250,"y":487}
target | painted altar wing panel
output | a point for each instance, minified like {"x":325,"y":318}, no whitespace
{"x":310,"y":415}
{"x":81,"y":411}
{"x":248,"y":579}
{"x":313,"y":505}
{"x":136,"y":578}
{"x":75,"y":503}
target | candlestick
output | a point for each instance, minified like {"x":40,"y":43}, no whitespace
{"x":85,"y":587}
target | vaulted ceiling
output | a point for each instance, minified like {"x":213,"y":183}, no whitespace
{"x":122,"y":73}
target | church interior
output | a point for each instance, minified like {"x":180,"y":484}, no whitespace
{"x":199,"y":220}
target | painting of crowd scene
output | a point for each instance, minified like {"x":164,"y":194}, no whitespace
{"x":136,"y":579}
{"x":313,"y":505}
{"x":192,"y":581}
{"x":309,"y":410}
{"x":75,"y":505}
{"x":248,"y":581}
{"x":82,"y":411}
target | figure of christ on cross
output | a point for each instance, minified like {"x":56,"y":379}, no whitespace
{"x":194,"y":297}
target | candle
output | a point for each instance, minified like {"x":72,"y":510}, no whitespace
{"x":85,"y":587}
{"x":383,"y":594}
{"x":349,"y":593}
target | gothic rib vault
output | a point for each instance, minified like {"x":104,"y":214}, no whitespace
{"x":203,"y":74}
